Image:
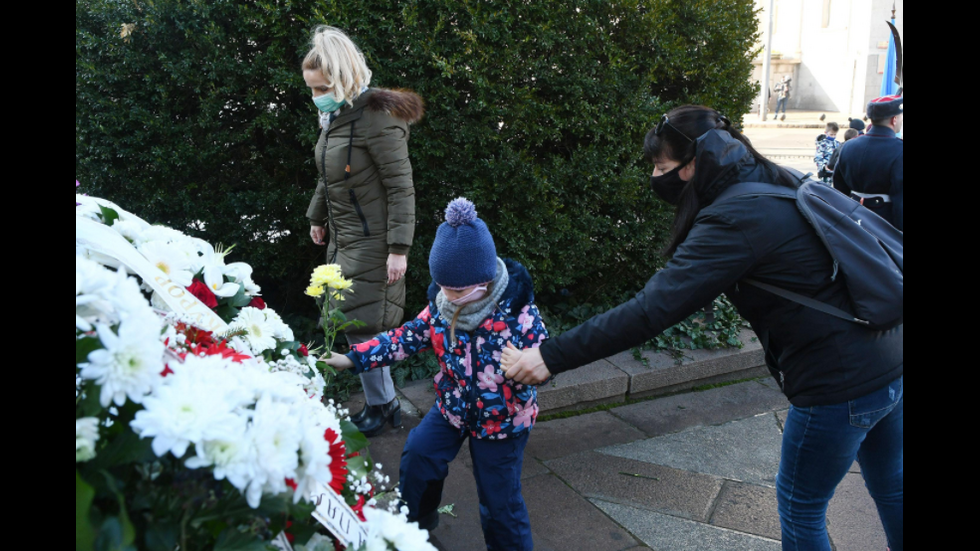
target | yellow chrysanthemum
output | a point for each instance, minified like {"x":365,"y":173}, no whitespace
{"x":331,"y":277}
{"x":315,"y":291}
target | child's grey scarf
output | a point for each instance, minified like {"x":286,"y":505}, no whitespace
{"x":474,"y":314}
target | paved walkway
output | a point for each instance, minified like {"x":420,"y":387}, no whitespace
{"x":797,"y":119}
{"x":689,"y":472}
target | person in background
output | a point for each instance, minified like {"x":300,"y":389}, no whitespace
{"x":784,"y":91}
{"x":826,"y":148}
{"x":366,"y":197}
{"x":872,"y":169}
{"x":857,"y":124}
{"x":832,"y":163}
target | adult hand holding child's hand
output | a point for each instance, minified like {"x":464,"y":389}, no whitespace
{"x":526,"y":367}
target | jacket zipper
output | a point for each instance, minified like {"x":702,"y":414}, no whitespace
{"x":360,"y":213}
{"x":326,"y":183}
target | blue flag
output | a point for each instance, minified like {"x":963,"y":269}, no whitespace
{"x":888,"y":85}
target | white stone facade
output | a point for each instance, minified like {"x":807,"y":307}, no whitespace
{"x":834,"y":50}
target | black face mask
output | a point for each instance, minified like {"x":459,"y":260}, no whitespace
{"x":669,"y":186}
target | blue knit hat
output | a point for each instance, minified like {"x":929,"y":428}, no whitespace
{"x":463,"y":254}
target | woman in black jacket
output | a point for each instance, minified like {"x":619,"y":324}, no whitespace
{"x":845,"y":381}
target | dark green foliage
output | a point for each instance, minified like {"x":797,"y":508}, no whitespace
{"x":537,"y":111}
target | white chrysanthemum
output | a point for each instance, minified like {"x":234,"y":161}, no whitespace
{"x":131,"y":230}
{"x":198,"y":402}
{"x":234,"y":459}
{"x":260,"y":334}
{"x":276,"y":434}
{"x":314,"y":471}
{"x":86,"y":435}
{"x":386,"y":530}
{"x":242,"y":274}
{"x":93,"y":285}
{"x":171,"y":260}
{"x":130,"y":364}
{"x":279,"y":327}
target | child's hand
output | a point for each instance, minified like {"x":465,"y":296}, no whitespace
{"x":510,"y":357}
{"x":338,"y":362}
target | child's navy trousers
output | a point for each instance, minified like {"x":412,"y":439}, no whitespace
{"x":497,"y":467}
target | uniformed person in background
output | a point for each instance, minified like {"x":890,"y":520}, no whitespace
{"x":871,"y":168}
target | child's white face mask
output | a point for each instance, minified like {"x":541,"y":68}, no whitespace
{"x":476,"y":295}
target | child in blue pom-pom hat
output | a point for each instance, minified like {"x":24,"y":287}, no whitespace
{"x":479,"y":304}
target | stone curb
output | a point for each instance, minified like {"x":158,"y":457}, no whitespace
{"x":622,"y":377}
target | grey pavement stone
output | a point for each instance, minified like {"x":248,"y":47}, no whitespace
{"x":782,"y":416}
{"x":420,"y":394}
{"x":663,"y":374}
{"x":563,"y":437}
{"x":597,"y":383}
{"x":640,"y":485}
{"x":666,"y":533}
{"x":563,"y":520}
{"x":853,"y":519}
{"x":744,"y":451}
{"x":713,"y":407}
{"x":749,"y":509}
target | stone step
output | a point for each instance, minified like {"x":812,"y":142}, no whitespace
{"x":623,"y":377}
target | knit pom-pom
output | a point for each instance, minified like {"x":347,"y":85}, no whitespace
{"x":460,"y":212}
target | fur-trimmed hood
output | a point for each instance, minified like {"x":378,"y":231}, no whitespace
{"x":401,"y":104}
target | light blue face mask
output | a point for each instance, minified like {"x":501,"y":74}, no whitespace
{"x":327,"y":103}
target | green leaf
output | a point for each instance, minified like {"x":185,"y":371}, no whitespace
{"x":233,"y":540}
{"x":84,"y":533}
{"x":354,"y":439}
{"x":124,"y":448}
{"x":109,"y":216}
{"x":161,"y":537}
{"x":240,"y":300}
{"x":85,"y":346}
{"x":127,"y":533}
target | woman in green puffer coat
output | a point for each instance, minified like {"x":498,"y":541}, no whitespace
{"x":365,"y":199}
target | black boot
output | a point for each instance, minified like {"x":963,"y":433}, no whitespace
{"x":359,"y":418}
{"x":378,"y":417}
{"x":429,"y":522}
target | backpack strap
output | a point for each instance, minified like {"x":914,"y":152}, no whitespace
{"x":756,"y":189}
{"x":805,"y":301}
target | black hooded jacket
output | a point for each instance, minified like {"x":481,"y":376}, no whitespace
{"x":817,"y":359}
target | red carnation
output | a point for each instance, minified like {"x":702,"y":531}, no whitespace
{"x":257,"y":302}
{"x":203,"y":293}
{"x":338,"y":463}
{"x":304,"y":351}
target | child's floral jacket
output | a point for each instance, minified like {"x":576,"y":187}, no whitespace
{"x":472,"y":392}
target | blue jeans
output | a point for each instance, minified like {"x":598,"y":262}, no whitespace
{"x":497,"y":467}
{"x":820,"y":445}
{"x":781,"y":104}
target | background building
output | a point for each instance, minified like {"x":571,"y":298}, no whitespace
{"x":835,"y":50}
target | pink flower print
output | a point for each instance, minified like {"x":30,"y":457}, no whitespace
{"x":497,"y":356}
{"x":506,"y":334}
{"x":454,"y":420}
{"x":457,"y":394}
{"x":526,"y":320}
{"x":525,"y":415}
{"x":489,"y":379}
{"x":467,"y":361}
{"x":400,"y":354}
{"x":438,"y":378}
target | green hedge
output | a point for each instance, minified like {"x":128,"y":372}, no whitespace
{"x":199,"y":118}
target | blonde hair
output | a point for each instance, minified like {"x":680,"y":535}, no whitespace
{"x":341,"y":62}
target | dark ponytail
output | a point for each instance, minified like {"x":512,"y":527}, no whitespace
{"x":674,"y":143}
